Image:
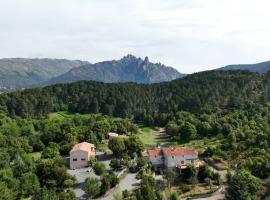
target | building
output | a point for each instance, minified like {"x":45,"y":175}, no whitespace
{"x":172,"y":157}
{"x":80,"y":155}
{"x":155,"y":156}
{"x":112,"y":135}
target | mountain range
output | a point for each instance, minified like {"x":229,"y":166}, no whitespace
{"x":261,"y":67}
{"x":18,"y":73}
{"x":127,"y":69}
{"x":24,"y":72}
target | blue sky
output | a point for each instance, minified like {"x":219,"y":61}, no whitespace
{"x":190,"y":35}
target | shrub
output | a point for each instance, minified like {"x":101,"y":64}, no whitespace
{"x":99,"y":168}
{"x":91,"y":186}
{"x":115,"y":164}
{"x":185,"y":187}
{"x":92,"y":161}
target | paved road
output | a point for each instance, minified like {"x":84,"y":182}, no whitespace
{"x":129,"y":182}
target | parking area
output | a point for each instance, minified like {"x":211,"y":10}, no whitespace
{"x":128,"y":182}
{"x":81,"y":175}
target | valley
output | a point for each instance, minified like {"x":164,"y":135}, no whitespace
{"x":222,"y":117}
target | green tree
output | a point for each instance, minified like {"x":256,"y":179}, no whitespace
{"x":242,"y":186}
{"x":67,"y":195}
{"x":50,"y":152}
{"x":172,"y":128}
{"x":91,"y":186}
{"x":187,"y":132}
{"x":29,"y":184}
{"x":190,"y":174}
{"x":45,"y":194}
{"x":99,"y":168}
{"x":204,"y":129}
{"x":204,"y":172}
{"x":105,"y":184}
{"x":118,"y":147}
{"x":115,"y":164}
{"x":142,"y":162}
{"x":134,"y":145}
{"x":5,"y":192}
{"x":174,"y":196}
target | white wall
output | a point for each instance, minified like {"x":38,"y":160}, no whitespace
{"x":82,"y":159}
{"x":158,"y":160}
{"x":173,"y":161}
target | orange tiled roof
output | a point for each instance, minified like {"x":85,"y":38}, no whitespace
{"x":84,"y":146}
{"x":154,"y":152}
{"x":179,"y":151}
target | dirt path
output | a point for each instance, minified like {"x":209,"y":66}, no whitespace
{"x":220,"y":194}
{"x":161,"y":134}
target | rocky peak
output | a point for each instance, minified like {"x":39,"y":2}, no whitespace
{"x":146,"y":60}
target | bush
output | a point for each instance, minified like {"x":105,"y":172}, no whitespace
{"x":142,"y":162}
{"x":115,"y":164}
{"x":204,"y":172}
{"x":185,"y":187}
{"x":99,"y":168}
{"x":92,"y":161}
{"x":114,"y":180}
{"x":105,"y":185}
{"x":174,"y":196}
{"x":91,"y":186}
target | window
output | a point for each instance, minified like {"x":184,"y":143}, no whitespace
{"x":192,"y":161}
{"x":74,"y":159}
{"x":172,"y":157}
{"x":82,"y":158}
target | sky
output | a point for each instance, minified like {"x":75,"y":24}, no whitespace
{"x":189,"y":35}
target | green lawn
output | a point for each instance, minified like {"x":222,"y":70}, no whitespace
{"x":35,"y":155}
{"x":60,"y":116}
{"x":148,"y":136}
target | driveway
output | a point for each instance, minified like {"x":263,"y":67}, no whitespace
{"x":81,"y":175}
{"x":220,"y":194}
{"x":129,"y":182}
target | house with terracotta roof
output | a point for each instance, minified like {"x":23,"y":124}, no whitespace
{"x":172,"y":157}
{"x":80,"y":155}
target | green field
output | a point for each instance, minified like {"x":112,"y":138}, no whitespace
{"x":148,"y":136}
{"x":60,"y":116}
{"x":35,"y":155}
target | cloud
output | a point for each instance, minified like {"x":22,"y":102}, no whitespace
{"x":191,"y":35}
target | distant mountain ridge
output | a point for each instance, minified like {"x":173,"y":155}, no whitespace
{"x":127,"y":69}
{"x":23,"y":72}
{"x":262,"y":67}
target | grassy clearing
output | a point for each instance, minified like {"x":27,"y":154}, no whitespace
{"x":202,"y":144}
{"x":149,"y":137}
{"x":35,"y":155}
{"x":60,"y":116}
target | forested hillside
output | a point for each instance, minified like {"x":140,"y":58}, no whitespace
{"x":212,"y":91}
{"x":229,"y":106}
